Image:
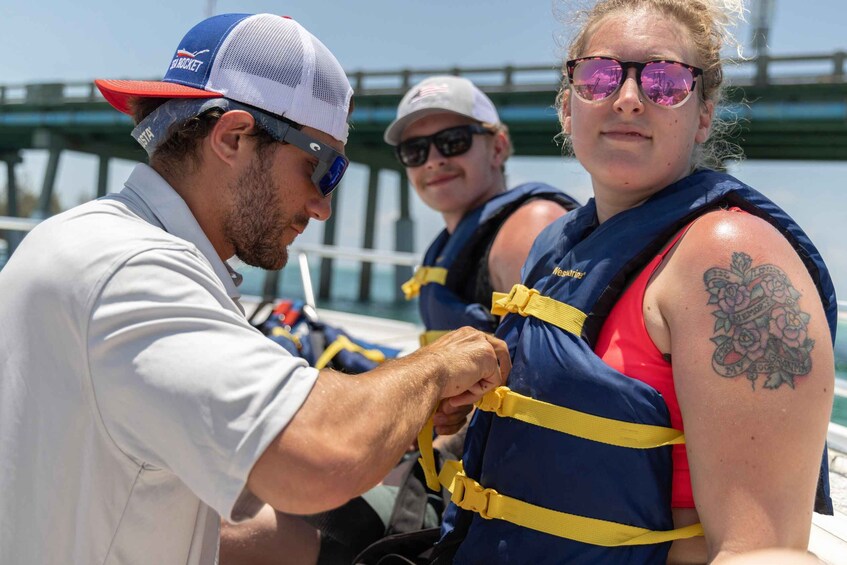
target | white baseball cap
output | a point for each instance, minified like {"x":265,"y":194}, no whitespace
{"x":441,"y":94}
{"x":266,"y":61}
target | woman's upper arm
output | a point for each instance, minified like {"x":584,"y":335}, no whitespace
{"x":753,"y":370}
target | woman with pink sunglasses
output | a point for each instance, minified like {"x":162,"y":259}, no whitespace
{"x":672,"y":355}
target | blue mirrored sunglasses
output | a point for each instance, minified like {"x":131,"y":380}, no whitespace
{"x":331,"y":164}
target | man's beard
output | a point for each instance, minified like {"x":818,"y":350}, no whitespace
{"x":256,"y":223}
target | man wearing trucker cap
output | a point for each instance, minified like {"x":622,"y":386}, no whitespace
{"x":449,"y":137}
{"x":137,"y":404}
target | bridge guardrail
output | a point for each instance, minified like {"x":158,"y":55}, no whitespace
{"x":758,"y":71}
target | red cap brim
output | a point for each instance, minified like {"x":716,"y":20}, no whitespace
{"x":119,"y":93}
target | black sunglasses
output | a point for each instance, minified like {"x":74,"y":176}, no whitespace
{"x":450,"y":142}
{"x":331,"y":164}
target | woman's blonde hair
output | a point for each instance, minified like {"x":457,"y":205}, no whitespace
{"x":709,"y":24}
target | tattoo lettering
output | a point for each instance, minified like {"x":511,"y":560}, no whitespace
{"x":759,"y":328}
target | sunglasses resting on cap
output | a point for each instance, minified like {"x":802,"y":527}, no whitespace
{"x":450,"y":142}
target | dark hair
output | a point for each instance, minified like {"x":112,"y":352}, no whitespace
{"x":183,"y":141}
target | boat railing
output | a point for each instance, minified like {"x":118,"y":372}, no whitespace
{"x":11,"y":223}
{"x":395,"y":258}
{"x":304,"y":250}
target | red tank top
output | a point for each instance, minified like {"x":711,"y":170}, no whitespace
{"x":625,"y":345}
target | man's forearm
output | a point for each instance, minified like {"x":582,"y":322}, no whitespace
{"x":351,"y":431}
{"x":348,"y":434}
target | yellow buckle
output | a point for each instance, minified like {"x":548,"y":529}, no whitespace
{"x":518,"y":299}
{"x":412,"y":287}
{"x":469,"y":495}
{"x":522,"y":297}
{"x":493,"y":401}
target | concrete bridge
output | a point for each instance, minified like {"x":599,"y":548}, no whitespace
{"x":787,"y":107}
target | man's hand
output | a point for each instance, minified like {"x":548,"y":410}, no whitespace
{"x":449,"y":419}
{"x":361,"y":426}
{"x":473,"y":362}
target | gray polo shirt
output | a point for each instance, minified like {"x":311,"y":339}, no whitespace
{"x":134,"y":396}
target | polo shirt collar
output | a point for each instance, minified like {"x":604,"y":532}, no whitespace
{"x":162,"y":206}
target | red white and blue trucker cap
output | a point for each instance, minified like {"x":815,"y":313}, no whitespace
{"x":438,"y":94}
{"x":266,"y":61}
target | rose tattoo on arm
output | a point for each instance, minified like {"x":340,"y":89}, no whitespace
{"x":759,"y":328}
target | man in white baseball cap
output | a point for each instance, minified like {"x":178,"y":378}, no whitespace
{"x":137,"y":404}
{"x":449,"y":137}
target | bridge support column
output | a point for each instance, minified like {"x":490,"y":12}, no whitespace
{"x":325,"y":284}
{"x":368,"y":239}
{"x":13,"y":237}
{"x":102,"y":176}
{"x":404,"y":237}
{"x":762,"y":62}
{"x":54,"y":144}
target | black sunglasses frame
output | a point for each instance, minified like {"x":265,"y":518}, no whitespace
{"x":696,"y":72}
{"x":328,"y":159}
{"x":287,"y":131}
{"x":434,"y":139}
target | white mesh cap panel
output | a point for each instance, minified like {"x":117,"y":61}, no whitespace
{"x":273,"y":63}
{"x":331,"y":84}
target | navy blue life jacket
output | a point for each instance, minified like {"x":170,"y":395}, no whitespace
{"x":452,"y":305}
{"x":321,"y":344}
{"x":557,"y":471}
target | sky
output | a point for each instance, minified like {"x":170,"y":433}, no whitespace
{"x":60,"y":41}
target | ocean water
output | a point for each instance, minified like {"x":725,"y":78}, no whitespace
{"x":839,"y":407}
{"x":384,"y":303}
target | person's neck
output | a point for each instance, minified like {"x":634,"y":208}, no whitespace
{"x":204,"y":195}
{"x":614,"y":200}
{"x":608,"y":207}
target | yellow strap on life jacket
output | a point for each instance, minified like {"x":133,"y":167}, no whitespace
{"x":489,"y":504}
{"x":468,"y":494}
{"x":423,"y":276}
{"x":343,"y":343}
{"x":432,"y":335}
{"x":508,"y":404}
{"x":528,"y":302}
{"x":278,"y":331}
{"x":427,"y":458}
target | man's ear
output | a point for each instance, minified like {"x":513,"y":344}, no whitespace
{"x":228,"y":140}
{"x":502,"y":149}
{"x":565,"y":112}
